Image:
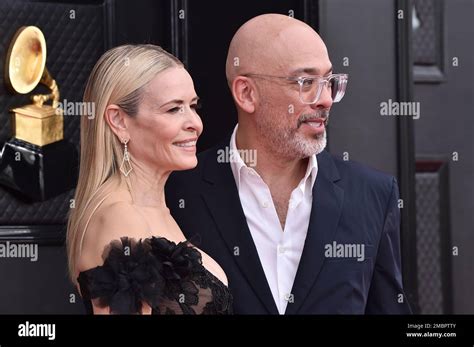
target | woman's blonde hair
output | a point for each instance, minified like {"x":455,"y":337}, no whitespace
{"x":119,"y":78}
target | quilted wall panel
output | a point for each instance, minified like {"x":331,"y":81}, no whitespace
{"x":424,"y":38}
{"x":428,"y":229}
{"x":75,"y":37}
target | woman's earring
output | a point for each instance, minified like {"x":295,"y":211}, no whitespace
{"x":126,"y":166}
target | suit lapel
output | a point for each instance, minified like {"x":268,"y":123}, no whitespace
{"x":222,"y":199}
{"x":325,"y":213}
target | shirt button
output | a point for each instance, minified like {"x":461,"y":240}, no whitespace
{"x":265,"y":204}
{"x":281,"y":249}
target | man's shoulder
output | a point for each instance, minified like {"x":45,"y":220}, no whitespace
{"x":360,"y":175}
{"x":213,"y":152}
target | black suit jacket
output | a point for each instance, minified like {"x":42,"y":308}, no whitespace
{"x":352,"y":205}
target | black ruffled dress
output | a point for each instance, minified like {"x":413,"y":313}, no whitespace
{"x":167,"y":276}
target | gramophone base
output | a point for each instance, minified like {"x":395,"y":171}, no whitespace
{"x":39,"y":173}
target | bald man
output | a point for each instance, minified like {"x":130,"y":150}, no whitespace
{"x":296,"y":230}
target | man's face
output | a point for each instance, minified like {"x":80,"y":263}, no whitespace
{"x":288,"y":126}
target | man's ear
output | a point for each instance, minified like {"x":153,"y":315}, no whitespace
{"x":244,"y":93}
{"x":116,"y":119}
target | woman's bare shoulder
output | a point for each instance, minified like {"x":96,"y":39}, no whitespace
{"x":116,"y":217}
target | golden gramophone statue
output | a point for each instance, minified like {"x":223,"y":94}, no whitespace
{"x":37,"y":161}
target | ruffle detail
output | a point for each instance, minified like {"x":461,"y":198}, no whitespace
{"x":181,"y":265}
{"x":142,"y":271}
{"x":178,"y":261}
{"x":130,"y":275}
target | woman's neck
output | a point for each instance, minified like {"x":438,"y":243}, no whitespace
{"x":148,"y":186}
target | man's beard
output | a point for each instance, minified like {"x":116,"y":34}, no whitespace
{"x":286,"y":141}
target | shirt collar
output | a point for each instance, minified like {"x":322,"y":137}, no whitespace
{"x":236,"y":164}
{"x":311,"y":172}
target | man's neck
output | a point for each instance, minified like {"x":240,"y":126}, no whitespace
{"x":274,"y":169}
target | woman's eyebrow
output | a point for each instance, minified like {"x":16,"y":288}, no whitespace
{"x":174,"y":101}
{"x":179,"y":101}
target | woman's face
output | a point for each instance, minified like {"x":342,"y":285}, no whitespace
{"x":163,"y":134}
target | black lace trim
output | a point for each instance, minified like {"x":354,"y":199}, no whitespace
{"x":167,"y":276}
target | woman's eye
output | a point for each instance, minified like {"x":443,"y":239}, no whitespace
{"x":180,"y":109}
{"x":175,"y":110}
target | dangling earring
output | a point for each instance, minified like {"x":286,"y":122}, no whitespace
{"x":126,"y":166}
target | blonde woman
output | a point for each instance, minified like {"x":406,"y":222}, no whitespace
{"x":126,"y":253}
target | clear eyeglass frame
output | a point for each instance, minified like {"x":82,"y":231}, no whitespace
{"x":309,"y":94}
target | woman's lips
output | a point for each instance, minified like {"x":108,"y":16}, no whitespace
{"x":187,"y":145}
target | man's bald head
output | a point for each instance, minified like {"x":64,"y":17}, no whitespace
{"x":271,"y":44}
{"x":270,"y":111}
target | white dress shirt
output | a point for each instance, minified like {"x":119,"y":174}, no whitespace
{"x":279,"y":250}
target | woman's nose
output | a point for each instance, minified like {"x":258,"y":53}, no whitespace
{"x":194,"y":122}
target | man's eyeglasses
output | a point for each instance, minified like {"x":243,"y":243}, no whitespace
{"x":312,"y":86}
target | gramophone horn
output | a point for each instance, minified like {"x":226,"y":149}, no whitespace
{"x":26,"y":65}
{"x":26,"y":59}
